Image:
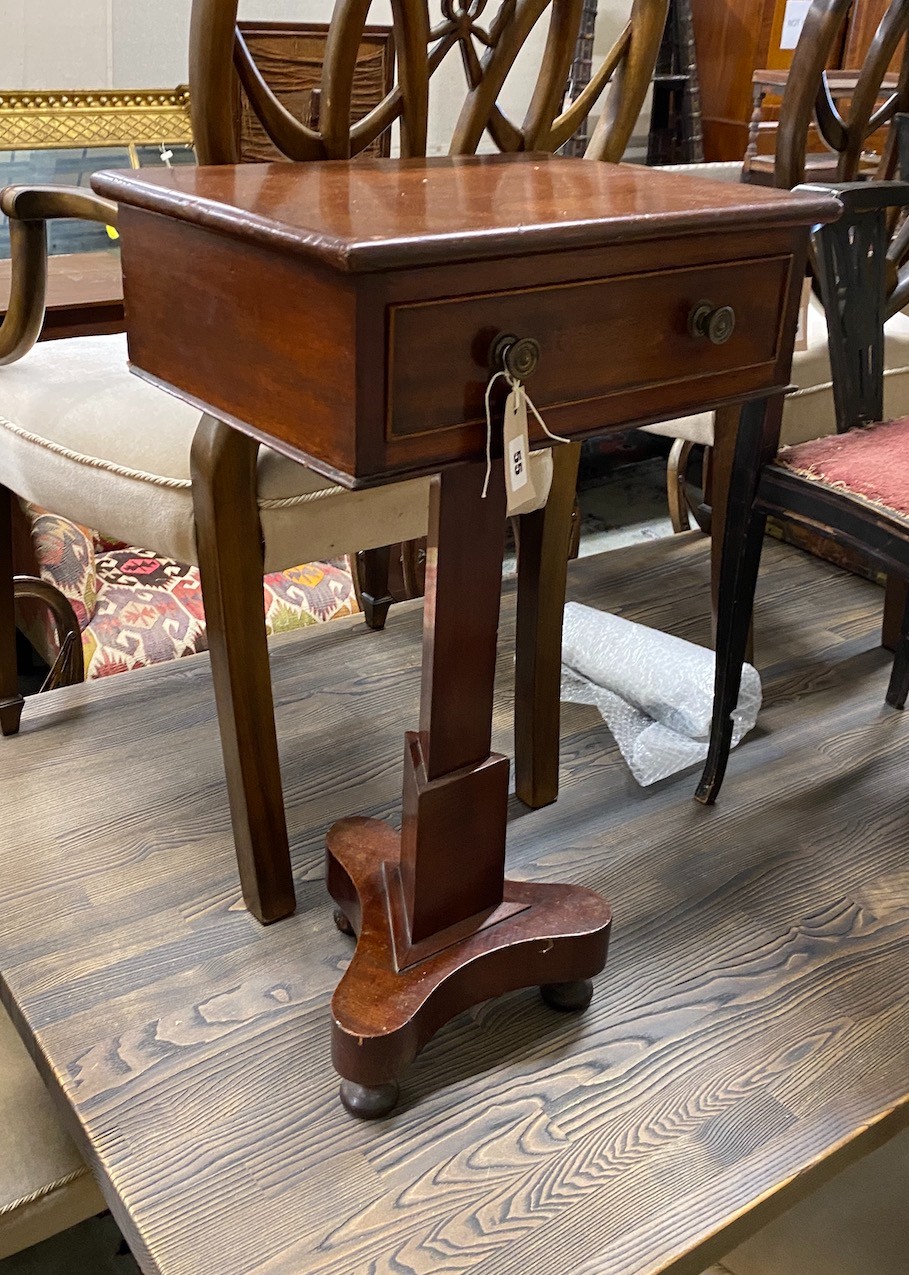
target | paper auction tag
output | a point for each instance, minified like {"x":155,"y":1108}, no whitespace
{"x":801,"y":332}
{"x":520,"y":492}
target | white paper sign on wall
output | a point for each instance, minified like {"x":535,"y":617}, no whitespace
{"x":793,"y":21}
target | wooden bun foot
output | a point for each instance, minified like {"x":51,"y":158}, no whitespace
{"x":343,"y":923}
{"x":570,"y":998}
{"x":368,"y":1102}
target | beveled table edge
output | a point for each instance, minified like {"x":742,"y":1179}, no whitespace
{"x":759,"y":207}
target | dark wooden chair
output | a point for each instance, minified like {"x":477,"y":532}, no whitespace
{"x":851,"y":488}
{"x":808,"y":100}
{"x":850,"y":129}
{"x":227,"y":526}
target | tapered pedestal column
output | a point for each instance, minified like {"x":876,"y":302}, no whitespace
{"x":438,"y":927}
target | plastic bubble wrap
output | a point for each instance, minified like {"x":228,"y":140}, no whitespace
{"x":655,"y":691}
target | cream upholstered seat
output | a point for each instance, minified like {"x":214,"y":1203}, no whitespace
{"x":45,"y":1185}
{"x":82,"y":436}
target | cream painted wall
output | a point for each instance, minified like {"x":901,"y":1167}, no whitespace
{"x":142,"y":44}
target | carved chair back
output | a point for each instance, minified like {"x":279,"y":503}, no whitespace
{"x":853,"y":266}
{"x":488,"y":43}
{"x":808,"y":98}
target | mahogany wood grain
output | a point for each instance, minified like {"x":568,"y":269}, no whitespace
{"x":318,"y":267}
{"x":731,"y":40}
{"x":455,"y":791}
{"x":246,"y":327}
{"x":747,"y":1038}
{"x":231,"y":563}
{"x":379,"y":215}
{"x":306,"y":290}
{"x":433,"y":345}
{"x":543,"y":555}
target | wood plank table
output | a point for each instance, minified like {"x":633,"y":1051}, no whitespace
{"x":748,"y":1036}
{"x":84,"y":295}
{"x":352,"y":315}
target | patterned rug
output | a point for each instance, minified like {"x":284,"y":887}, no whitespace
{"x":136,"y":608}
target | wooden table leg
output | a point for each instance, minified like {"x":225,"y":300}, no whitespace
{"x":543,"y":548}
{"x":756,"y":443}
{"x":439,"y":928}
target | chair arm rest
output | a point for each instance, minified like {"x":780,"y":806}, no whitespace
{"x":44,"y":203}
{"x":862,"y":197}
{"x":28,"y":208}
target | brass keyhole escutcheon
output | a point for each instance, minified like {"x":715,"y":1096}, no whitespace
{"x":519,"y":356}
{"x":715,"y":322}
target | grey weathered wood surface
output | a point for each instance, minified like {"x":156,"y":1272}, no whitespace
{"x":750,"y":1027}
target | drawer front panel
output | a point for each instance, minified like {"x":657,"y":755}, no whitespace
{"x":598,"y":337}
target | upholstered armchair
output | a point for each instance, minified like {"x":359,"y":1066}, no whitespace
{"x":81,"y":436}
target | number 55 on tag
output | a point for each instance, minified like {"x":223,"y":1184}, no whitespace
{"x":520,"y":491}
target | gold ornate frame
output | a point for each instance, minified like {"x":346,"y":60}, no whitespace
{"x":62,"y":119}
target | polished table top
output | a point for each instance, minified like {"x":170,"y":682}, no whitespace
{"x":750,"y":1024}
{"x":375,"y":214}
{"x":366,"y":296}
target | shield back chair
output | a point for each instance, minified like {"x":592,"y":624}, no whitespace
{"x":809,"y":410}
{"x":852,"y":488}
{"x":80,"y":436}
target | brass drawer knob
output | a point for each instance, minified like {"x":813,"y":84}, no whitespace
{"x":519,"y":356}
{"x":715,"y":322}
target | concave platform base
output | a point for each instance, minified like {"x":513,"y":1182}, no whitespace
{"x":393,"y":998}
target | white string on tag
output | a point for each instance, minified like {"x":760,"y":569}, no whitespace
{"x":515,"y":385}
{"x":556,"y":438}
{"x":492,"y":380}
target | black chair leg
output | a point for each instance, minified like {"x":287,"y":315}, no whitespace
{"x":742,"y":542}
{"x":899,"y":677}
{"x":372,"y":570}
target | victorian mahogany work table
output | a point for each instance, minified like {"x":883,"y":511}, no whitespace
{"x":348,"y":314}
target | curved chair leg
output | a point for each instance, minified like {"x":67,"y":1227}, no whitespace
{"x":544,"y":540}
{"x":756,"y":443}
{"x":228,"y":538}
{"x":11,"y":701}
{"x":899,"y":677}
{"x":676,"y":497}
{"x":69,"y":666}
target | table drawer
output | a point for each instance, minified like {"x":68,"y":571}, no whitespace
{"x":599,"y":338}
